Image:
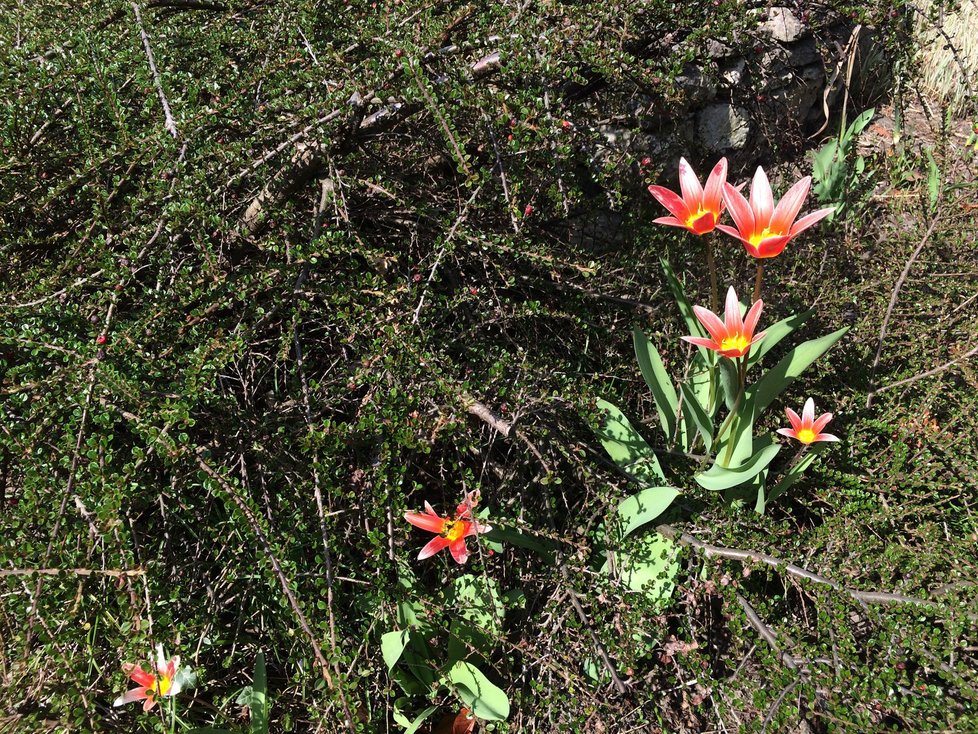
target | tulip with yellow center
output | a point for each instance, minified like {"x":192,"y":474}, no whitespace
{"x":451,"y":531}
{"x":699,"y":208}
{"x":807,"y":429}
{"x":732,"y":337}
{"x":169,"y":680}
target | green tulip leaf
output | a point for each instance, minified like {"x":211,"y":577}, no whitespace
{"x":775,"y":333}
{"x":718,"y":477}
{"x":762,"y":393}
{"x":627,"y":448}
{"x":644,"y":507}
{"x":481,"y":697}
{"x":654,"y":372}
{"x":694,"y":414}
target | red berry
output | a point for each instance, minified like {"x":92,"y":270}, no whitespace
{"x":528,"y":211}
{"x":101,"y":339}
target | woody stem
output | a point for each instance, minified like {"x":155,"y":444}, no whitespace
{"x":757,"y":281}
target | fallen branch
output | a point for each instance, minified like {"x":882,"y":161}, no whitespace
{"x":736,"y":554}
{"x":168,"y":122}
{"x":112,"y":573}
{"x":929,"y":373}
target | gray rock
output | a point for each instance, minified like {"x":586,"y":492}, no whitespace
{"x":724,"y":127}
{"x":783,"y":25}
{"x":698,"y":87}
{"x":732,"y":72}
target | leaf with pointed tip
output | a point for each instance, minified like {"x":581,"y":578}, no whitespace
{"x":796,"y":472}
{"x":696,"y":415}
{"x":627,"y":447}
{"x":717,"y":477}
{"x":482,"y":697}
{"x":654,"y":372}
{"x":644,"y":507}
{"x":775,"y":333}
{"x":763,"y":392}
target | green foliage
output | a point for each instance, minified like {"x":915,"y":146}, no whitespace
{"x":837,"y":175}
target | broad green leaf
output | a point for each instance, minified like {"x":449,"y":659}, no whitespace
{"x":796,"y":472}
{"x":704,"y":386}
{"x":775,"y":333}
{"x":718,"y":477}
{"x":654,"y":372}
{"x":859,"y":124}
{"x":649,"y":566}
{"x":481,"y":697}
{"x":477,"y":599}
{"x":763,"y":392}
{"x":392,"y":646}
{"x":644,"y":507}
{"x":695,"y":415}
{"x":410,"y":727}
{"x":258,"y":708}
{"x":729,"y":381}
{"x":627,"y":447}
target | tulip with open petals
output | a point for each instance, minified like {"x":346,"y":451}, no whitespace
{"x":732,"y":337}
{"x":808,"y":428}
{"x":699,"y":208}
{"x":452,"y":531}
{"x":764,"y":228}
{"x":169,"y":680}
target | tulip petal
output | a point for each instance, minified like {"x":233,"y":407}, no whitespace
{"x":136,"y":694}
{"x":676,"y":206}
{"x":789,"y":206}
{"x":809,"y":220}
{"x":434,"y":545}
{"x":149,"y":703}
{"x":753,"y":317}
{"x":796,"y":423}
{"x":711,"y":322}
{"x":732,"y":321}
{"x":761,"y":200}
{"x":459,"y":550}
{"x":732,"y":231}
{"x":671,"y":221}
{"x":789,"y":432}
{"x":713,"y":193}
{"x":433,"y":524}
{"x":769,"y":246}
{"x":821,"y":422}
{"x":701,"y":342}
{"x":138,"y":675}
{"x":740,"y":212}
{"x":690,"y":185}
{"x":826,"y":437}
{"x":808,"y":413}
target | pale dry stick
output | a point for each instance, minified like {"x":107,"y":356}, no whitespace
{"x":56,"y":294}
{"x":766,"y":634}
{"x":282,"y":578}
{"x":736,"y":554}
{"x":441,"y":252}
{"x":168,"y":122}
{"x":502,"y":175}
{"x":112,"y":573}
{"x":892,"y":304}
{"x":930,"y":373}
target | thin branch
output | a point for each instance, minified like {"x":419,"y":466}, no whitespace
{"x":480,"y":411}
{"x":736,"y":554}
{"x":766,"y":634}
{"x":168,"y":122}
{"x":947,"y":365}
{"x":893,"y":300}
{"x":112,"y":573}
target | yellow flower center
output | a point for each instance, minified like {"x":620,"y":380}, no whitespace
{"x":693,"y":218}
{"x":806,"y":435}
{"x":453,"y":529}
{"x":739,"y":342}
{"x":162,"y":687}
{"x":758,"y":237}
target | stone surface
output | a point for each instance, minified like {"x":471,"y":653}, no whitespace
{"x":783,"y":25}
{"x":698,"y":87}
{"x":733,"y":72}
{"x":724,"y":127}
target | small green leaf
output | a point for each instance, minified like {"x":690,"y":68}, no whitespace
{"x":679,"y":294}
{"x":654,"y":372}
{"x":763,"y":392}
{"x":483,"y":699}
{"x":718,"y":477}
{"x":644,"y":507}
{"x":502,"y":534}
{"x":627,"y":447}
{"x":392,"y":645}
{"x":694,"y":414}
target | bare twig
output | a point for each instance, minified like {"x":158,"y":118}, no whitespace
{"x":929,"y":373}
{"x":480,"y":411}
{"x":893,"y":300}
{"x":168,"y":122}
{"x":736,"y":554}
{"x":112,"y":573}
{"x":765,"y":632}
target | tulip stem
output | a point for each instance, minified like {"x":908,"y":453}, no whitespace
{"x":757,"y":281}
{"x":711,"y":264}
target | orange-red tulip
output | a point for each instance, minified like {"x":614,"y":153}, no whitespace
{"x":808,"y":428}
{"x":764,"y":228}
{"x":734,"y":336}
{"x":169,"y":680}
{"x":452,"y":531}
{"x":699,"y":208}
